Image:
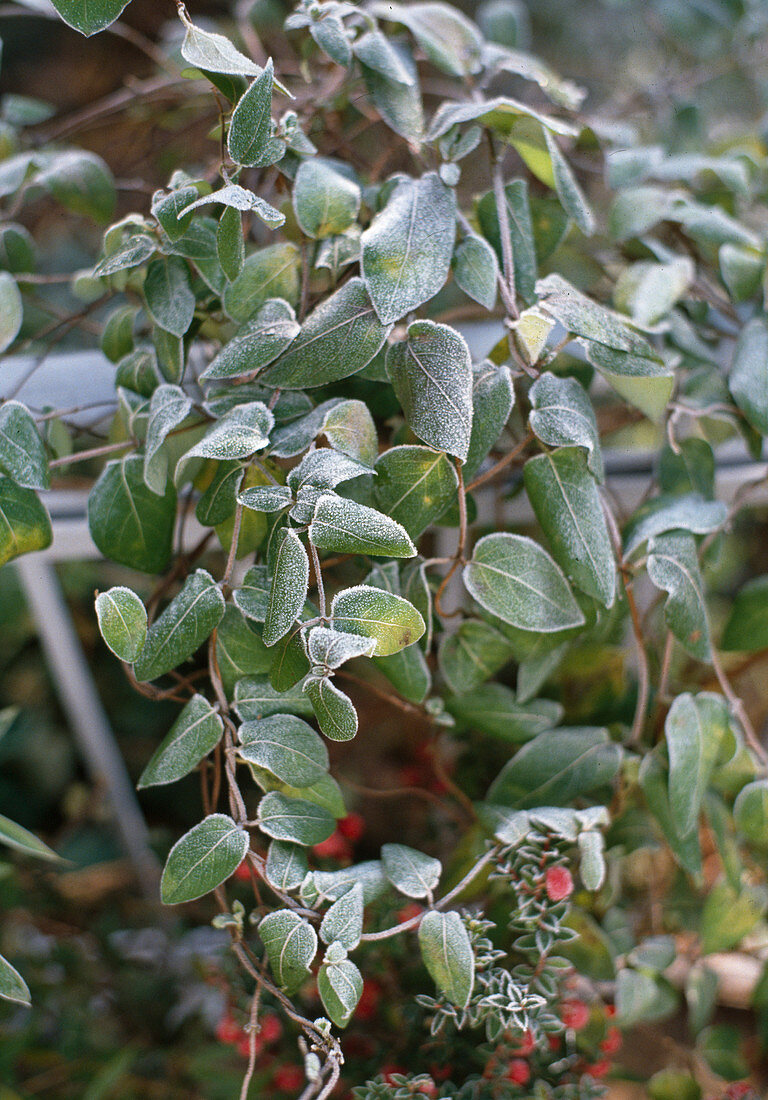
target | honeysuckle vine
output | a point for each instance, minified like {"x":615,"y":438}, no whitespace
{"x":296,"y":420}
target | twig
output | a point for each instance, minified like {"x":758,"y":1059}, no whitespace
{"x":502,"y":464}
{"x":739,"y":710}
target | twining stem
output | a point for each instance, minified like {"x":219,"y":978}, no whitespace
{"x":739,"y":710}
{"x":502,"y":464}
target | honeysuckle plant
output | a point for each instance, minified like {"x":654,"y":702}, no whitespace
{"x":312,"y":459}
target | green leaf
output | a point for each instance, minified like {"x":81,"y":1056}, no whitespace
{"x":182,"y":628}
{"x":398,"y":104}
{"x":653,"y":780}
{"x":408,"y":672}
{"x":406,"y":251}
{"x":240,"y":651}
{"x":219,"y":500}
{"x":259,"y":342}
{"x":334,"y":711}
{"x":230,"y":243}
{"x":11,"y":311}
{"x":81,"y":182}
{"x":338,"y":338}
{"x":410,"y":871}
{"x":214,"y":53}
{"x":567,"y":504}
{"x":691,"y":469}
{"x":645,"y":383}
{"x":340,"y":986}
{"x":332,"y":37}
{"x":741,"y":270}
{"x":134,"y":252}
{"x":747,"y":626}
{"x":291,"y":944}
{"x":122,"y":622}
{"x":266,"y":498}
{"x":562,"y":416}
{"x":289,"y":662}
{"x":492,"y":401}
{"x":272,"y":272}
{"x":290,"y":579}
{"x":515,"y":579}
{"x":19,"y":838}
{"x":286,"y":865}
{"x":476,"y":270}
{"x":450,"y":40}
{"x":251,"y":596}
{"x":325,"y":469}
{"x":22,"y":454}
{"x":592,"y":859}
{"x":256,"y":698}
{"x":521,"y":234}
{"x":202,"y":859}
{"x":750,"y":812}
{"x":346,"y":527}
{"x":728,"y":916}
{"x":414,"y":486}
{"x":240,"y":433}
{"x":129,"y":523}
{"x":557,"y":767}
{"x":472,"y":654}
{"x":170,"y":352}
{"x":391,"y":620}
{"x":168,"y":409}
{"x":89,"y":16}
{"x":325,"y":199}
{"x":350,"y":428}
{"x":568,"y":191}
{"x":447,"y":954}
{"x":673,"y":566}
{"x":294,"y":819}
{"x":694,"y":730}
{"x":168,"y":294}
{"x":12,"y":985}
{"x":668,"y":513}
{"x":375,"y":51}
{"x":641,"y":998}
{"x":748,"y":380}
{"x":332,"y":884}
{"x":648,"y":291}
{"x":194,"y":734}
{"x":168,"y":208}
{"x":343,"y":923}
{"x":250,"y":128}
{"x":723,"y":1048}
{"x":431,"y":373}
{"x":493,"y":709}
{"x":285,"y":746}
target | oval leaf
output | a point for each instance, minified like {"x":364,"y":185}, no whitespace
{"x":202,"y":859}
{"x":447,"y":954}
{"x":194,"y":734}
{"x":122,"y":622}
{"x":391,"y":620}
{"x":182,"y":628}
{"x":286,"y":747}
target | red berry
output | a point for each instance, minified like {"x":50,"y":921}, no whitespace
{"x":335,"y":847}
{"x":527,"y":1043}
{"x":599,"y":1069}
{"x":610,"y":1011}
{"x":574,"y":1014}
{"x":612,"y":1041}
{"x":519,"y":1071}
{"x":288,"y":1078}
{"x":740,"y":1090}
{"x":271,"y":1028}
{"x":429,"y":1089}
{"x":227,"y":1030}
{"x":388,"y":1072}
{"x":558,"y":883}
{"x":242,"y":874}
{"x":408,"y":912}
{"x":352,"y":826}
{"x":554,"y":1042}
{"x":368,"y":1005}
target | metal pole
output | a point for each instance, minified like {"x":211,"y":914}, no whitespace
{"x":90,"y":725}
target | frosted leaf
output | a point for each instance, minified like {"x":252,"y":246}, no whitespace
{"x":241,"y":199}
{"x":374,"y":50}
{"x":339,"y":251}
{"x":182,"y":628}
{"x":257,"y":343}
{"x":238,"y":434}
{"x":168,"y":408}
{"x":207,"y":855}
{"x":325,"y":469}
{"x":583,"y":317}
{"x":335,"y":712}
{"x":326,"y":200}
{"x":673,"y":565}
{"x":431,"y":373}
{"x":292,"y":438}
{"x":500,"y":114}
{"x":562,"y":415}
{"x":331,"y":648}
{"x":250,"y":128}
{"x":256,"y":698}
{"x":193,"y":735}
{"x":266,"y":498}
{"x":347,"y":527}
{"x":407,"y":249}
{"x":290,"y":578}
{"x":285,"y":746}
{"x":349,"y":428}
{"x":476,"y":270}
{"x":667,"y":513}
{"x":414,"y":486}
{"x":375,"y":613}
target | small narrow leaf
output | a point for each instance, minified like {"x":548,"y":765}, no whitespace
{"x":332,"y":648}
{"x":20,"y":839}
{"x":194,"y":734}
{"x":290,"y":579}
{"x":123,"y":622}
{"x":251,"y":125}
{"x":182,"y":628}
{"x":168,"y":408}
{"x":447,"y":954}
{"x":239,"y":434}
{"x":291,"y":944}
{"x":202,"y":859}
{"x":340,"y":986}
{"x":410,"y":871}
{"x":12,"y":985}
{"x":476,"y":270}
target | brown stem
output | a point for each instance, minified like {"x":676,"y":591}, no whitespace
{"x":502,"y":464}
{"x":739,"y":710}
